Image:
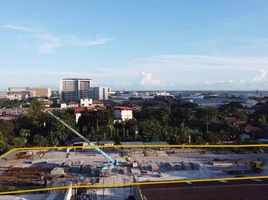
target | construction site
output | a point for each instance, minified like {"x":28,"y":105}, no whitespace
{"x":97,"y":167}
{"x":82,"y":166}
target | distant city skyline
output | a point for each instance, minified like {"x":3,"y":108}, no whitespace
{"x":136,"y":45}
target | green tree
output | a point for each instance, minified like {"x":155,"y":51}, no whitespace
{"x":230,"y":109}
{"x":100,"y":120}
{"x":197,"y":138}
{"x":150,"y":130}
{"x":183,"y":134}
{"x":262,"y":120}
{"x":35,"y":109}
{"x":25,"y":133}
{"x":7,"y":129}
{"x":3,"y":142}
{"x":39,"y":140}
{"x":53,"y":129}
{"x":19,"y":142}
{"x":163,"y":115}
{"x":54,"y":139}
{"x":211,"y":137}
{"x":205,"y":116}
{"x":92,"y":134}
{"x":181,"y":115}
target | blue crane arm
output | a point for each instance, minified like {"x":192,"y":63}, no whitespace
{"x":111,"y":162}
{"x":105,"y":155}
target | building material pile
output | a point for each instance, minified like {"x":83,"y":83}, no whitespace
{"x":58,"y":172}
{"x":23,"y":155}
{"x":25,"y":176}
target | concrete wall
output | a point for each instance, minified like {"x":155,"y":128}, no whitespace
{"x":7,"y":157}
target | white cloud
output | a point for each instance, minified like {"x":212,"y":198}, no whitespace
{"x":147,"y":79}
{"x":207,"y":71}
{"x":48,"y":43}
{"x":260,"y":76}
{"x":18,"y":28}
{"x":196,"y":62}
{"x":87,"y":42}
{"x":178,"y":72}
{"x":257,"y":81}
{"x":49,"y":46}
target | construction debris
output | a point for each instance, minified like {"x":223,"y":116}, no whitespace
{"x":58,"y":172}
{"x":25,"y":176}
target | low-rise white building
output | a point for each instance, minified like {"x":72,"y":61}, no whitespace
{"x":19,"y":93}
{"x":64,"y":105}
{"x":41,"y":92}
{"x":85,"y":102}
{"x":122,"y":113}
{"x":22,"y":93}
{"x":3,"y":94}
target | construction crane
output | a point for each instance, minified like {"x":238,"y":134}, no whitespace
{"x":111,"y":163}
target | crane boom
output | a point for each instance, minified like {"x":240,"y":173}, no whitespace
{"x":69,"y":127}
{"x":111,"y":162}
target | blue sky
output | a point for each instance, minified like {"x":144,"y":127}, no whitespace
{"x":123,"y":44}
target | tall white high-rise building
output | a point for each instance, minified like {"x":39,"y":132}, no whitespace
{"x":98,"y":93}
{"x":74,"y":89}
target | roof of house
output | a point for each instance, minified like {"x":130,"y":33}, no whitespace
{"x":81,"y":109}
{"x":122,"y":108}
{"x":251,"y":128}
{"x":72,"y":102}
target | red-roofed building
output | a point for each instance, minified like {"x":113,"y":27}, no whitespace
{"x":79,"y":110}
{"x":122,"y":113}
{"x":122,"y":108}
{"x":252,"y":129}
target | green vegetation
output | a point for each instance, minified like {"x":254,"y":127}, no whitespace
{"x":36,"y":128}
{"x":176,"y":124}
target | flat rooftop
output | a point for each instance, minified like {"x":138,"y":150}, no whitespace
{"x":45,"y":196}
{"x":231,"y":190}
